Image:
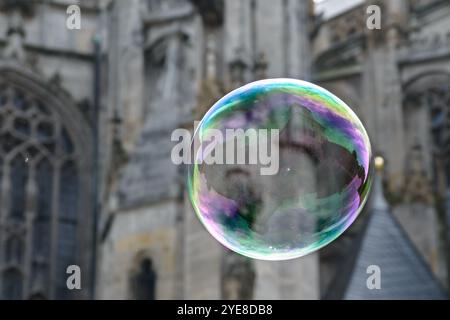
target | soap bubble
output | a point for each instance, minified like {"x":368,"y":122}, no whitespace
{"x":298,"y":205}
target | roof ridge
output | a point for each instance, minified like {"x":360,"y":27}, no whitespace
{"x":384,"y":227}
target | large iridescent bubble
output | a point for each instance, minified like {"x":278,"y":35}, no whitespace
{"x":271,"y":211}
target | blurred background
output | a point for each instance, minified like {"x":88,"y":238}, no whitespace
{"x":86,"y":117}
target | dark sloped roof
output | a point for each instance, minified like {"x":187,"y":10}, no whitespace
{"x":404,"y":274}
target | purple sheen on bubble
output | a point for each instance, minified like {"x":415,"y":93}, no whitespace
{"x":322,"y":179}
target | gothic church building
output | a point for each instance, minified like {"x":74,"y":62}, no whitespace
{"x":86,"y":118}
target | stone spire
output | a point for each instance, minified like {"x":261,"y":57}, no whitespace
{"x":210,"y":90}
{"x":260,"y":67}
{"x":237,"y":69}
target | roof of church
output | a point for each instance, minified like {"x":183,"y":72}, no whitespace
{"x":404,"y":273}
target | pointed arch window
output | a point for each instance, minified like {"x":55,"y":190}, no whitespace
{"x":427,"y":104}
{"x":39,"y":197}
{"x":143,"y":281}
{"x":427,"y":113}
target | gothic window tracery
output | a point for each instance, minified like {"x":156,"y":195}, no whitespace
{"x":39,"y":197}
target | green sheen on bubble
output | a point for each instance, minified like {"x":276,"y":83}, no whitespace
{"x":321,"y":154}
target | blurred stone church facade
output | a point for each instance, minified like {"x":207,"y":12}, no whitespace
{"x":162,"y":64}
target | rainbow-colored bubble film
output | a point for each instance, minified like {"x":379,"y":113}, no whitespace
{"x":322,"y":179}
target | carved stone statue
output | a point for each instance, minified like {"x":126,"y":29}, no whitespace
{"x":15,"y":36}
